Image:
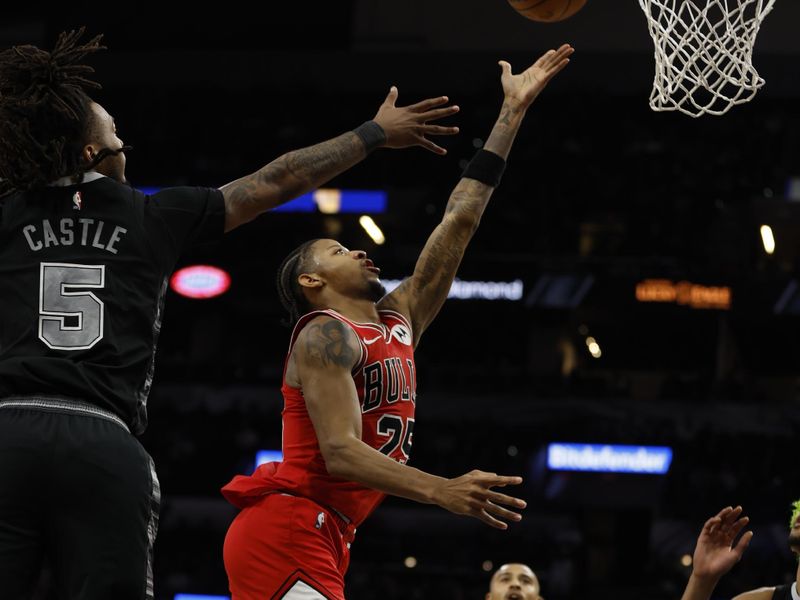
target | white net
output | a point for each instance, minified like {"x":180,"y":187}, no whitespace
{"x":704,"y":53}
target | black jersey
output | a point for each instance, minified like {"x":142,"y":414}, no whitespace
{"x":83,"y":274}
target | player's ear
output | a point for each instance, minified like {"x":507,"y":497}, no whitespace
{"x":310,"y":280}
{"x":89,"y":152}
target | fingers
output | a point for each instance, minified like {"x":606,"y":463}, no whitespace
{"x":489,"y":480}
{"x":737,"y":527}
{"x":544,"y":60}
{"x":438,"y":113}
{"x":554,"y":61}
{"x":490,"y":520}
{"x":391,"y":97}
{"x":724,"y":512}
{"x":564,"y":51}
{"x":554,"y":57}
{"x":557,"y":69}
{"x":711,"y":525}
{"x":505,"y":66}
{"x":715,"y":522}
{"x":498,"y":498}
{"x":438,"y":130}
{"x":729,"y":519}
{"x":744,"y":542}
{"x":429,"y":145}
{"x":501,"y":512}
{"x":428,"y":104}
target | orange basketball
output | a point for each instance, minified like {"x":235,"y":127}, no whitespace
{"x":547,"y":11}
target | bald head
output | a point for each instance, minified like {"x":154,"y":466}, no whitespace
{"x":514,"y":581}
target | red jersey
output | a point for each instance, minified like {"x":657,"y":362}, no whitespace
{"x":385,"y":379}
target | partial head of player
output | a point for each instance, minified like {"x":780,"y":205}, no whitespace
{"x":322,"y":274}
{"x":50,"y":127}
{"x":794,"y":528}
{"x":514,"y":581}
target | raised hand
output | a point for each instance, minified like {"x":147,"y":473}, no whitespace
{"x":715,"y":553}
{"x":406,"y":126}
{"x":471,"y":495}
{"x":524,"y":87}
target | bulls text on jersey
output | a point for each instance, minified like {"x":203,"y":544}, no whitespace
{"x":388,"y":381}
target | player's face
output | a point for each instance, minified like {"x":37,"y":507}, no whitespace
{"x":514,"y":582}
{"x":348,"y":271}
{"x":103,"y":134}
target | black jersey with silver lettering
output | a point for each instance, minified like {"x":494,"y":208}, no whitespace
{"x":83,"y":274}
{"x":783,"y":592}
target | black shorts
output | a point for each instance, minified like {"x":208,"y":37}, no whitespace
{"x":76,"y":489}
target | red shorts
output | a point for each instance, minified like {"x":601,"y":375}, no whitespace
{"x":287,"y":547}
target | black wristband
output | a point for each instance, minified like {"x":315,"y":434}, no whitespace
{"x":371,"y":134}
{"x":487,"y":167}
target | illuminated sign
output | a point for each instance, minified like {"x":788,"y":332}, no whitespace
{"x":200,"y":281}
{"x":685,"y":293}
{"x":605,"y":458}
{"x":265,"y":456}
{"x":326,"y":200}
{"x":475,"y":290}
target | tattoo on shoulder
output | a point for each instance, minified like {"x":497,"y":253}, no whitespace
{"x":330,"y":343}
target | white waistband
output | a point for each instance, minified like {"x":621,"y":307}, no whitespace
{"x":62,"y":405}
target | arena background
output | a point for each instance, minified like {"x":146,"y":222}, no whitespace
{"x":600,"y":195}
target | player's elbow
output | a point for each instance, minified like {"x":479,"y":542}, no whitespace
{"x":236,"y":215}
{"x":336,"y":455}
{"x":465,"y":222}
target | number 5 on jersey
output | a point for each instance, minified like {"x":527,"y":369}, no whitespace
{"x":58,"y":300}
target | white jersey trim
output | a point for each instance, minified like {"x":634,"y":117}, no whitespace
{"x":399,"y":316}
{"x":61,"y":405}
{"x":68,"y":180}
{"x":795,"y":593}
{"x":302,"y":591}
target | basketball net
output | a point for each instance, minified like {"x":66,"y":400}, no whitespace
{"x":704,"y":53}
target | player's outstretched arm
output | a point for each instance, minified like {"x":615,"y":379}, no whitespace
{"x":323,"y":357}
{"x":301,"y":171}
{"x":421,"y":296}
{"x":716,"y":553}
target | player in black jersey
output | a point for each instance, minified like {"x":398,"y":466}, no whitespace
{"x":84,"y":264}
{"x":718,"y":551}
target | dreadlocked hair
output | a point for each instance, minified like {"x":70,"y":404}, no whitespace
{"x":45,"y":112}
{"x":289,"y":290}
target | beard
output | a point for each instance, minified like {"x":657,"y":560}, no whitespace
{"x":375,"y":290}
{"x":794,"y":541}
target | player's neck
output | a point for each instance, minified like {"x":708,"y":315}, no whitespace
{"x":359,"y":311}
{"x":797,"y":577}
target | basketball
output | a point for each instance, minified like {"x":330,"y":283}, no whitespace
{"x":547,"y":11}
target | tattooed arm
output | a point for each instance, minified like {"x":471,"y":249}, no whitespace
{"x":421,"y":296}
{"x":301,"y":171}
{"x":321,"y":364}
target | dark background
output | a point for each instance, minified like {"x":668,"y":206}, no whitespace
{"x":599,"y":190}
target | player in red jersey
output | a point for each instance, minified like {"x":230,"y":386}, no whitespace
{"x":349,"y":391}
